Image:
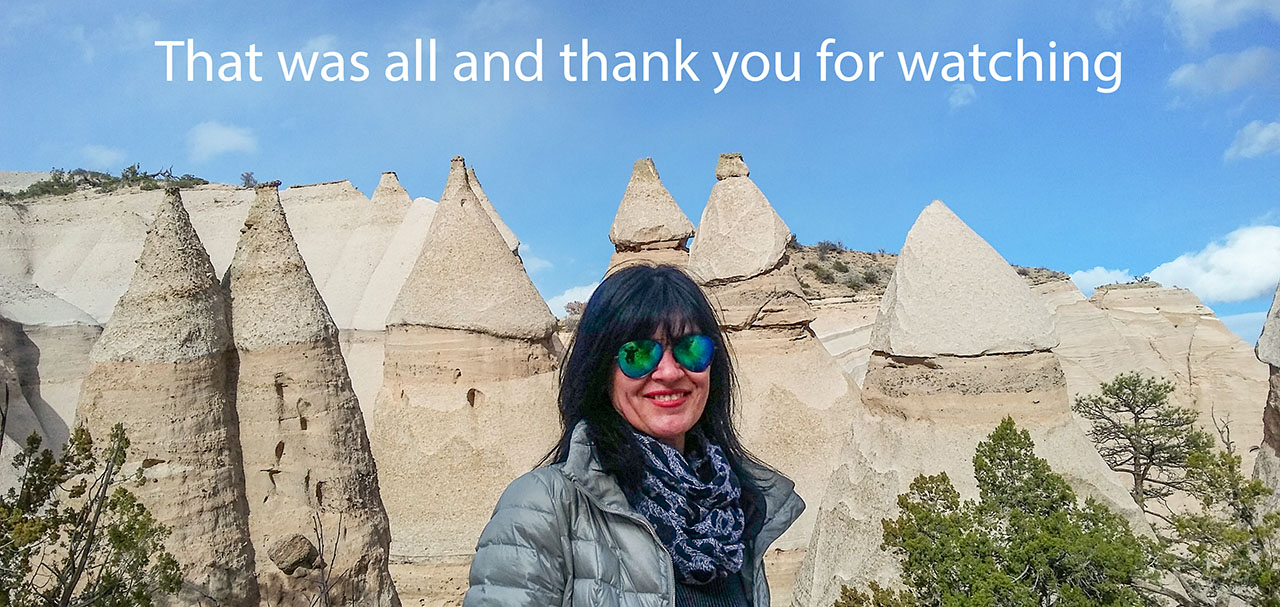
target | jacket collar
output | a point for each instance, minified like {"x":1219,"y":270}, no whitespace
{"x":782,"y":505}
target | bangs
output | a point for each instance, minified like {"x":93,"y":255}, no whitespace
{"x":658,"y":309}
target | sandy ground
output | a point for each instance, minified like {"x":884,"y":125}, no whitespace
{"x":14,"y":181}
{"x":442,"y":582}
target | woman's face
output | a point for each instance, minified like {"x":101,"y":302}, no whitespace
{"x":666,"y":403}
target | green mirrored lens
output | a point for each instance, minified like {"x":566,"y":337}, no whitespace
{"x":638,"y":358}
{"x":694,"y":352}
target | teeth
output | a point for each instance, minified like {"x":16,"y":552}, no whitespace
{"x":667,"y":397}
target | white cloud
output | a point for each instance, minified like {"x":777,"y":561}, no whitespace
{"x":209,"y":139}
{"x":320,"y":44}
{"x":962,"y":95}
{"x":1088,"y":280}
{"x":1256,"y":139}
{"x":1245,"y":266}
{"x":1226,"y":72}
{"x":1199,"y":20}
{"x":532,"y":263}
{"x":102,"y":158}
{"x":1248,"y":325}
{"x":579,"y":293}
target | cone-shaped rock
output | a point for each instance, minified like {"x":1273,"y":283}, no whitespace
{"x":467,"y":401}
{"x":390,"y":199}
{"x":952,"y":294}
{"x":647,"y":213}
{"x":649,"y":227}
{"x":739,"y":235}
{"x":508,"y":236}
{"x":925,"y":413}
{"x":306,"y":452}
{"x":160,"y":368}
{"x":466,"y":277}
{"x":1268,"y":348}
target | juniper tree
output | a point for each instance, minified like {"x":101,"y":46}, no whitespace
{"x":72,"y":535}
{"x":1025,"y":542}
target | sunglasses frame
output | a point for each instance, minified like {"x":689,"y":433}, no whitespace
{"x":678,"y":351}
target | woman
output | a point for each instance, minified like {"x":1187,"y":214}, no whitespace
{"x":649,"y":498}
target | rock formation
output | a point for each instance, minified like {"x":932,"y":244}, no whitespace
{"x":736,"y":208}
{"x":929,"y":306}
{"x":930,"y":398}
{"x":468,"y":398}
{"x":508,"y":236}
{"x":649,"y":226}
{"x":306,"y":452}
{"x":160,"y":368}
{"x":364,"y":248}
{"x":795,"y":400}
{"x":1267,"y":465}
{"x":47,"y":342}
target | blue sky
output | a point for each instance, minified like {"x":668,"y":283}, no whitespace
{"x":1174,"y":174}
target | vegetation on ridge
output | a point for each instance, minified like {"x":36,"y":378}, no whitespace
{"x":61,"y":183}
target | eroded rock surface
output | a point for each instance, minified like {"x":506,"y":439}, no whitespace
{"x":952,"y":294}
{"x":739,"y":235}
{"x":306,"y":453}
{"x":925,"y":412}
{"x":161,"y":369}
{"x":467,"y":401}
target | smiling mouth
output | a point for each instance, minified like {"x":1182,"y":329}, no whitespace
{"x":667,"y":399}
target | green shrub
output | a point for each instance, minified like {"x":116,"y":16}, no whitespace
{"x":871,"y":276}
{"x":855,"y":283}
{"x":839,"y":266}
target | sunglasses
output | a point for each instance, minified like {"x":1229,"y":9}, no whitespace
{"x":639,"y":358}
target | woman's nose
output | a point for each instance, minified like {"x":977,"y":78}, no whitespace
{"x":668,"y":369}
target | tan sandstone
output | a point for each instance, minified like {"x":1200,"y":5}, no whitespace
{"x":306,"y":453}
{"x":648,"y":214}
{"x":160,"y":368}
{"x":467,"y":401}
{"x":946,"y":277}
{"x":739,"y":235}
{"x":925,"y":413}
{"x":466,"y":278}
{"x":508,"y":236}
{"x":1267,"y":465}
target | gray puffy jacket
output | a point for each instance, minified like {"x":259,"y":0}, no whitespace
{"x":565,"y":535}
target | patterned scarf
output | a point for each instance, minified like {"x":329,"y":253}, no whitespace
{"x":695,"y":507}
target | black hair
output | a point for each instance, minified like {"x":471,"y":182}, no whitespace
{"x":639,"y":302}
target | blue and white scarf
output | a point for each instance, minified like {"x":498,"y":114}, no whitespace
{"x":695,"y":506}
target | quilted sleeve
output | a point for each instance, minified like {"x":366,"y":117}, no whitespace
{"x":521,"y":556}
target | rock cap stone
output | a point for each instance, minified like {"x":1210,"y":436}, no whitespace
{"x":952,"y":294}
{"x":648,"y":213}
{"x":390,"y":200}
{"x":466,"y":277}
{"x":739,"y":235}
{"x":274,"y":300}
{"x":1268,"y":348}
{"x":731,"y":165}
{"x":174,"y":309}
